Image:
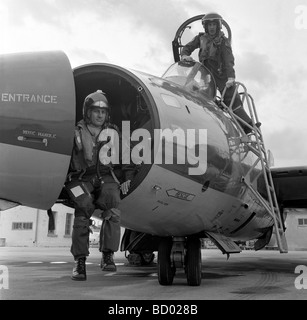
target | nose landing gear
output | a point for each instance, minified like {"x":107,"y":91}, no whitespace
{"x":179,"y":252}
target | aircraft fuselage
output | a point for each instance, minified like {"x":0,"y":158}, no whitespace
{"x":40,"y":102}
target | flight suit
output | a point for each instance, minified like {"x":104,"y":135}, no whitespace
{"x":90,"y":189}
{"x":216,"y":54}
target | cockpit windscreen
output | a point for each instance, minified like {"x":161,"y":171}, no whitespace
{"x":193,"y":76}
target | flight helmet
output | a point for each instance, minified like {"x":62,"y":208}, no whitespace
{"x":215,"y":17}
{"x":95,"y":99}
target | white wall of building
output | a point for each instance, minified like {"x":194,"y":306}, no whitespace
{"x":38,"y":235}
{"x":296,"y":229}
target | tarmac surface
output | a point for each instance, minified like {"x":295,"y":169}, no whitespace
{"x":39,"y":273}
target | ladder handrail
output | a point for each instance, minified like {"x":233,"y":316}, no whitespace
{"x":271,"y":203}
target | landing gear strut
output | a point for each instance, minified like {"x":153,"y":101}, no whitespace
{"x":179,"y":252}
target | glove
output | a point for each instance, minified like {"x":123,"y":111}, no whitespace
{"x":187,"y":58}
{"x":230,"y":82}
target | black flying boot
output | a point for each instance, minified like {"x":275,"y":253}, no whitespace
{"x":79,"y":271}
{"x":107,"y":262}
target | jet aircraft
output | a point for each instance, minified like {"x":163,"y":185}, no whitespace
{"x":235,"y":196}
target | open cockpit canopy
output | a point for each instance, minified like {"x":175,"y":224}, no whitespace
{"x":193,"y":76}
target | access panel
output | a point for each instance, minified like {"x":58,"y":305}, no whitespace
{"x":37,"y":119}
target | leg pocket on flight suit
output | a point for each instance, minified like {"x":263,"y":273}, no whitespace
{"x":110,"y":230}
{"x":81,"y":195}
{"x":80,"y":237}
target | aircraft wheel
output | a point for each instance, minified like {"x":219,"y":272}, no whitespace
{"x":193,"y":261}
{"x":165,"y":270}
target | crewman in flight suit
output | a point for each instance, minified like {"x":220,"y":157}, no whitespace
{"x":92,"y":184}
{"x":215,"y":53}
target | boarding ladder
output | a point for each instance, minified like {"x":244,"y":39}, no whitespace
{"x":254,"y":142}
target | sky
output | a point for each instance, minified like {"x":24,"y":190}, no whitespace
{"x":269,"y":42}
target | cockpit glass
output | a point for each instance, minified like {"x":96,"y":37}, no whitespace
{"x":193,"y":76}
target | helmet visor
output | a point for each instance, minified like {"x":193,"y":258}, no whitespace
{"x":99,"y":104}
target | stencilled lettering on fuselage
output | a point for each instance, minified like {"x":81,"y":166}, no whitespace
{"x":39,"y":134}
{"x":29,"y":98}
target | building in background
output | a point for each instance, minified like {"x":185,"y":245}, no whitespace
{"x":23,"y":226}
{"x":296,"y":229}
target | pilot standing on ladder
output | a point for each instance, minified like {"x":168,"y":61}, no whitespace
{"x":93,"y":185}
{"x":215,"y":53}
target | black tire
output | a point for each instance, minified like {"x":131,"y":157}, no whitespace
{"x":165,"y":271}
{"x":193,"y":262}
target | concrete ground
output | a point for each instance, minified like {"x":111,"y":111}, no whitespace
{"x":38,"y":273}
